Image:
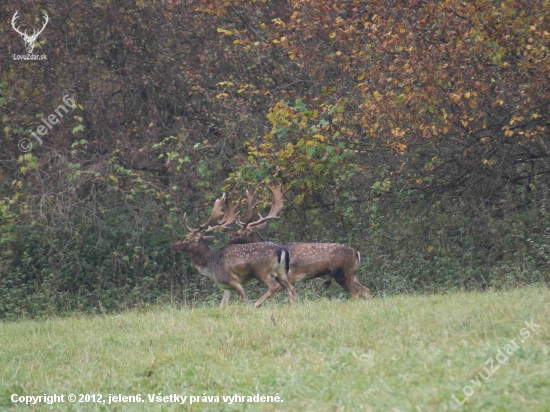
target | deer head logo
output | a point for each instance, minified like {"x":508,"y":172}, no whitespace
{"x":29,"y":40}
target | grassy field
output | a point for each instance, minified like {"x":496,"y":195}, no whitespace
{"x":405,"y":353}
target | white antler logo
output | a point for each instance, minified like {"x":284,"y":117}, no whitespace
{"x":30,"y":40}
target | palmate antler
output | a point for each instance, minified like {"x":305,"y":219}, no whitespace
{"x":276,"y":207}
{"x":250,"y":198}
{"x":229,"y":217}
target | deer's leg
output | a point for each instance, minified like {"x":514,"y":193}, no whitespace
{"x":272,"y":297}
{"x":279,"y":288}
{"x":355,"y":289}
{"x":282,"y":279}
{"x":288,"y":276}
{"x":362,"y":291}
{"x":284,"y":283}
{"x":271,"y":288}
{"x":236,"y":286}
{"x":348,"y":280}
{"x":340,"y":277}
{"x":351,"y":287}
{"x":225,"y":299}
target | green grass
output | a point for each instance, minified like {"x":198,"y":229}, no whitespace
{"x":405,"y":353}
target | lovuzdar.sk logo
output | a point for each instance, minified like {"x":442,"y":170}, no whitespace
{"x":30,"y":40}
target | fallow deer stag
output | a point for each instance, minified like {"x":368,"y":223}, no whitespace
{"x":233,"y":265}
{"x":307,"y":260}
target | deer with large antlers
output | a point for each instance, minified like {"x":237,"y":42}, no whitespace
{"x":29,"y":40}
{"x":307,"y":260}
{"x":233,"y":265}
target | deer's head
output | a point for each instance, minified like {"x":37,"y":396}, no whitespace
{"x":29,"y":40}
{"x":196,"y":236}
{"x":247,"y":235}
{"x":248,"y":231}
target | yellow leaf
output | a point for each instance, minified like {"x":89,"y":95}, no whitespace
{"x":455,"y":98}
{"x":431,"y":248}
{"x":377,"y":95}
{"x":332,"y":35}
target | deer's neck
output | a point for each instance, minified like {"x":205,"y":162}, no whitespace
{"x":200,"y":255}
{"x":256,"y":238}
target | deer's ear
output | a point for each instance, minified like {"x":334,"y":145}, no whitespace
{"x":207,"y":238}
{"x":262,"y":226}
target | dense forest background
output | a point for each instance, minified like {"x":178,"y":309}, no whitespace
{"x":414,"y":131}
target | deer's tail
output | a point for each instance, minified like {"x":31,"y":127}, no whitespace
{"x":283,"y":256}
